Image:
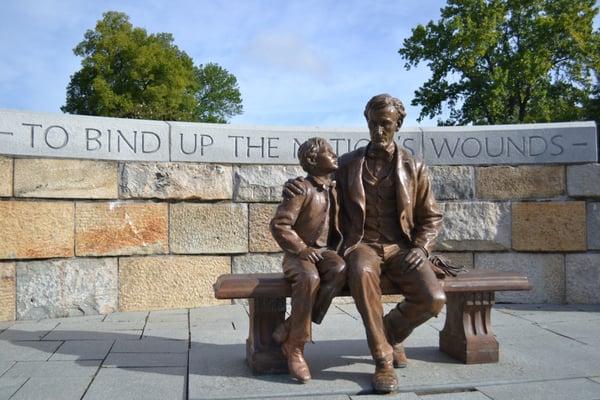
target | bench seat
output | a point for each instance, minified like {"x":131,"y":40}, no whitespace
{"x":467,"y":334}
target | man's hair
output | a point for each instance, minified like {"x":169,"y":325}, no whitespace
{"x":385,"y":100}
{"x":308,"y":151}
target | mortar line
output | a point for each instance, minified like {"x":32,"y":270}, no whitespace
{"x":4,"y":373}
{"x":20,"y":387}
{"x":145,"y":324}
{"x":346,"y":312}
{"x":187,"y":371}
{"x":56,"y":350}
{"x":98,"y":370}
{"x":47,"y":333}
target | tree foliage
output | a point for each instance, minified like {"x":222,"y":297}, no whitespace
{"x":508,"y":61}
{"x":129,"y":73}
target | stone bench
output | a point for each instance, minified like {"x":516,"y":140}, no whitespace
{"x":467,"y":334}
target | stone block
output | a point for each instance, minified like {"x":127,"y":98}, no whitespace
{"x":476,"y":226}
{"x":452,"y":182}
{"x":549,"y":226}
{"x":6,"y":177}
{"x":65,"y":288}
{"x":465,"y":259}
{"x":583,"y":180}
{"x":65,"y":178}
{"x":156,"y":383}
{"x":260,"y":238}
{"x":209,"y":228}
{"x":176,"y":181}
{"x":160,"y":282}
{"x":544,"y":271}
{"x":583,"y":278}
{"x":522,"y":182}
{"x":593,"y":226}
{"x":256,"y":183}
{"x":7,"y":291}
{"x":36,"y":229}
{"x":118,"y":228}
{"x":253,"y":263}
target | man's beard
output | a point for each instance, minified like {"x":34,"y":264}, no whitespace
{"x":380,"y":145}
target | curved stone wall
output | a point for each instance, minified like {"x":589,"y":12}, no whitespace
{"x":89,"y":236}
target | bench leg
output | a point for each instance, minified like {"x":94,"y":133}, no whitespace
{"x":263,"y":355}
{"x":467,"y":334}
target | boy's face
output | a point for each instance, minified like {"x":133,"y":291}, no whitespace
{"x":326,"y":161}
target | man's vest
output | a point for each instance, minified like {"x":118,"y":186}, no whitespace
{"x":381,"y":218}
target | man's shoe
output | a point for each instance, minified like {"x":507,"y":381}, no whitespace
{"x":400,"y":360}
{"x":281,"y":332}
{"x":296,"y":363}
{"x":384,"y":379}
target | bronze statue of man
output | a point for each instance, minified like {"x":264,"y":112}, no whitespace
{"x":389,"y":221}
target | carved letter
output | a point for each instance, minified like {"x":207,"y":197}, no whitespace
{"x":445,"y":144}
{"x":410,"y":149}
{"x":272,"y":147}
{"x":181,"y":144}
{"x":95,"y":139}
{"x":144,"y":150}
{"x":488,"y":150}
{"x":476,"y":154}
{"x":65,"y":139}
{"x":561,"y":149}
{"x":236,"y":143}
{"x":520,"y":150}
{"x":204,"y":142}
{"x":132,"y":147}
{"x":32,"y":130}
{"x":531,"y":152}
{"x":297,"y":144}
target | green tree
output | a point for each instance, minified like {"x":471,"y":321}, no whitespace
{"x":218,"y":97}
{"x":129,"y":73}
{"x":507,"y":61}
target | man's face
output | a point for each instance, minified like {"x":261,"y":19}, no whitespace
{"x":326,"y":161}
{"x":383,"y":124}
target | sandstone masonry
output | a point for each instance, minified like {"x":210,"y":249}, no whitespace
{"x":91,"y":237}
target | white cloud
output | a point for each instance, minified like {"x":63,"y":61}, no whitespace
{"x":287,"y":52}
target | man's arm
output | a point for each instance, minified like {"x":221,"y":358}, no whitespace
{"x":427,"y":215}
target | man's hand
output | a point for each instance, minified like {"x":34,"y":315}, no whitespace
{"x":292,"y":188}
{"x":415,"y":258}
{"x":310,"y":254}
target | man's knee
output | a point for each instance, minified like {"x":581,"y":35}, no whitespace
{"x":434,"y":302}
{"x":359,"y":272}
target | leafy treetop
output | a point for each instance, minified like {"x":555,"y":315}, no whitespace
{"x":129,"y":73}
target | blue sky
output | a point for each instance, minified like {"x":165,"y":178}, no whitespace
{"x":311,"y":63}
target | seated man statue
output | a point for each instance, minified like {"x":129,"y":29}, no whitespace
{"x":306,"y":228}
{"x":389,"y":221}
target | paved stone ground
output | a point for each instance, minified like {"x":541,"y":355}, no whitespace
{"x":547,"y":352}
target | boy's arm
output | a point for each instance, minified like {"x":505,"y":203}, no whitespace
{"x":283,"y":222}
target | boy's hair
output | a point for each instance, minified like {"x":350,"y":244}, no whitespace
{"x":307,"y":152}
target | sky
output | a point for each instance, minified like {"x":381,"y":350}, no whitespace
{"x":297,"y":62}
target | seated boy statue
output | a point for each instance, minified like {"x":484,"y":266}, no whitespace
{"x":306,"y":228}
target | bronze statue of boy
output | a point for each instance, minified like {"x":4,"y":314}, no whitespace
{"x":306,"y":227}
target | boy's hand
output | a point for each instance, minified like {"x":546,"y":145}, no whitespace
{"x":310,"y":254}
{"x":292,"y":188}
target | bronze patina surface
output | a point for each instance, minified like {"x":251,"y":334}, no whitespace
{"x":389,"y":220}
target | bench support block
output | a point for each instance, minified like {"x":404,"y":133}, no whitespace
{"x":263,"y":355}
{"x":467,"y":334}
